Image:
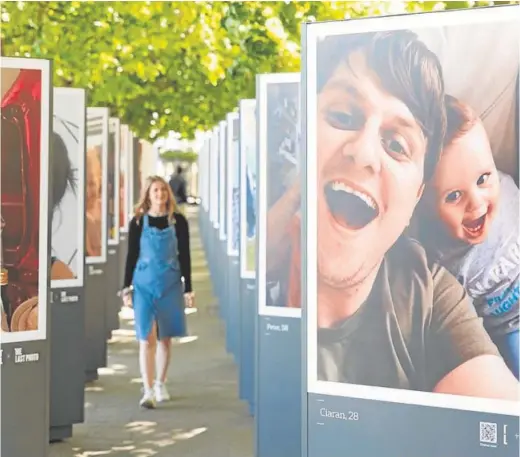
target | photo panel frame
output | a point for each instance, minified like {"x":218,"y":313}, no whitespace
{"x":278,"y":194}
{"x":97,"y":185}
{"x":27,"y":94}
{"x":248,"y":175}
{"x":113,"y":178}
{"x":124,"y":150}
{"x":214,"y":178}
{"x":222,"y":180}
{"x":205,"y":175}
{"x":232,"y":184}
{"x":129,"y":201}
{"x":69,"y":188}
{"x":334,"y":102}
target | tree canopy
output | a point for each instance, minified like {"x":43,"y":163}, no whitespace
{"x":180,"y":66}
{"x":179,"y":156}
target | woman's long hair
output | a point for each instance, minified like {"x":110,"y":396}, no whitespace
{"x":144,"y":204}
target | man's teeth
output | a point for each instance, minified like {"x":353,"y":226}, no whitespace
{"x":339,"y":186}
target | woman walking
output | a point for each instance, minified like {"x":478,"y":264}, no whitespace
{"x":157,"y":260}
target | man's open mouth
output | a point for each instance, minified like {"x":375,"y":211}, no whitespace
{"x":475,"y":226}
{"x":351,"y":208}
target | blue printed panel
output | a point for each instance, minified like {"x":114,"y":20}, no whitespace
{"x":341,"y":427}
{"x":233,"y":297}
{"x":247,"y":341}
{"x":278,"y":412}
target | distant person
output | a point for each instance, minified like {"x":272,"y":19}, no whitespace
{"x":178,"y":186}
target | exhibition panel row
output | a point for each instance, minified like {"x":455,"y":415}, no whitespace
{"x":361,"y":223}
{"x":69,"y":177}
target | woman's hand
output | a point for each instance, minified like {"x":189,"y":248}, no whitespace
{"x":127,"y":300}
{"x":189,"y":299}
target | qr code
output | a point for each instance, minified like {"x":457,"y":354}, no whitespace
{"x":488,"y":432}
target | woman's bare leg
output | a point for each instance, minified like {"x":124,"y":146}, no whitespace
{"x":163,"y":359}
{"x":147,"y":349}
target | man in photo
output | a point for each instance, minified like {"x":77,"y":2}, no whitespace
{"x":387,"y":315}
{"x":282,"y":167}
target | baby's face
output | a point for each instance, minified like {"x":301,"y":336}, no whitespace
{"x":465,"y":188}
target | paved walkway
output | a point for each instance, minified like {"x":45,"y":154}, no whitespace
{"x":205,"y":418}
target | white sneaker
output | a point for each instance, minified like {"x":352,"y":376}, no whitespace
{"x":148,"y":400}
{"x":161,"y":393}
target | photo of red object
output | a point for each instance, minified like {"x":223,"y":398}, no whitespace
{"x":20,"y":193}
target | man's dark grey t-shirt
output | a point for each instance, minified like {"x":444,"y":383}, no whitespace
{"x":416,"y":327}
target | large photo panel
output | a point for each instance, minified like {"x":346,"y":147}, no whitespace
{"x":214,"y":178}
{"x":222,"y":180}
{"x":25,"y":211}
{"x":247,"y":144}
{"x":68,"y":187}
{"x":124,"y":210}
{"x":232,"y":187}
{"x":97,"y":186}
{"x":411,"y":195}
{"x":279,"y":221}
{"x":205,"y":176}
{"x":113,"y":177}
{"x":130,"y":181}
{"x":136,"y":169}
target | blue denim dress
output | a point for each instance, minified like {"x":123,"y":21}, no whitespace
{"x":158,"y":288}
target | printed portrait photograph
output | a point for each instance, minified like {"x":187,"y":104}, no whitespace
{"x":235,"y":191}
{"x":123,"y":179}
{"x":247,"y":119}
{"x":214,"y":179}
{"x":204,"y":174}
{"x":131,"y":183}
{"x":233,"y":184}
{"x":96,"y":189}
{"x":222,"y":179}
{"x":280,"y":191}
{"x":68,"y":187}
{"x":137,"y":169}
{"x":113,"y":180}
{"x":413,"y":209}
{"x":24,"y":227}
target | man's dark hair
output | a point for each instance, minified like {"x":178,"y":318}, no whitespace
{"x":407,"y":69}
{"x":179,"y":170}
{"x":63,"y":175}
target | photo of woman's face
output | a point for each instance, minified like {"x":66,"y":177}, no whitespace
{"x":93,"y":202}
{"x":370,"y":160}
{"x":93,"y":177}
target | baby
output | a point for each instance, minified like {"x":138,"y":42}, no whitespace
{"x":470,"y":225}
